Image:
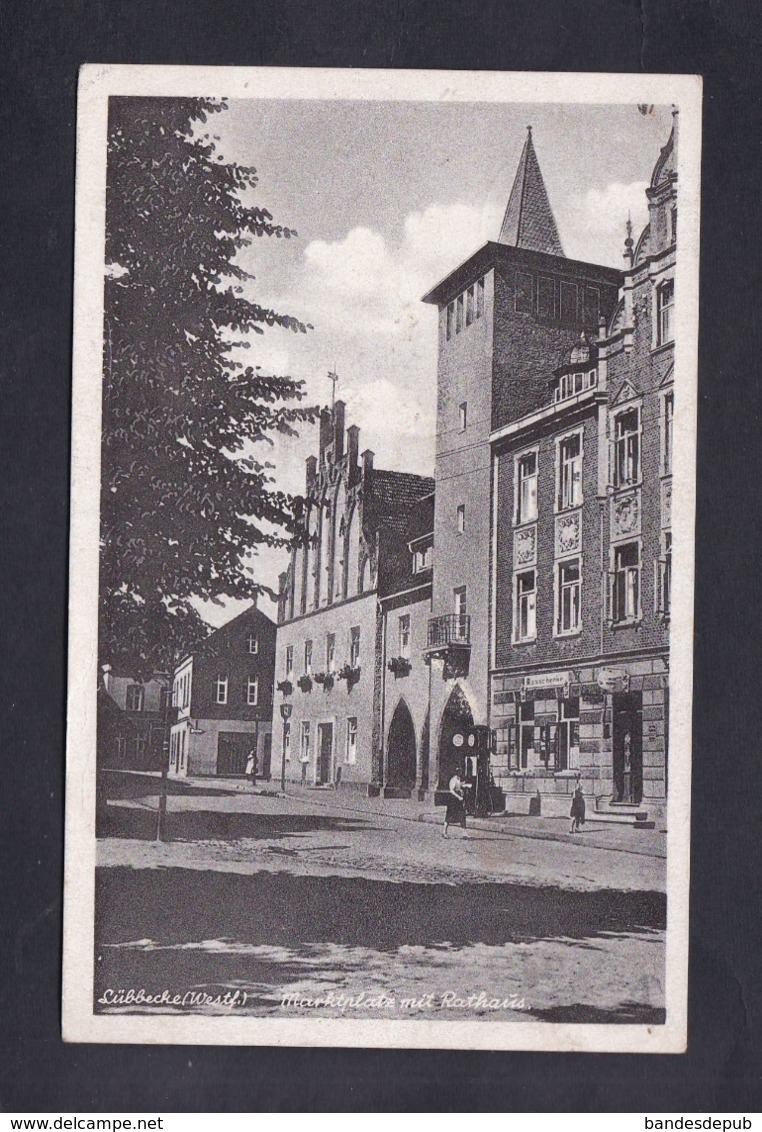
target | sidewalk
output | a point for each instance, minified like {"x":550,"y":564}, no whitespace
{"x":615,"y":838}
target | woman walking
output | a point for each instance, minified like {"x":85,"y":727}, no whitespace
{"x":455,"y":813}
{"x":577,"y":812}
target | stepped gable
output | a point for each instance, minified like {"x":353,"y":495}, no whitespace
{"x":529,"y":222}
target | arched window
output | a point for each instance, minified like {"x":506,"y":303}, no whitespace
{"x":339,"y":542}
{"x":365,"y":574}
{"x":352,"y":552}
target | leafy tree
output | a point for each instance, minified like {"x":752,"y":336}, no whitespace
{"x":184,"y":497}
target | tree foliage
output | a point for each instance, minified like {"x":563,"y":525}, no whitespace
{"x":184,"y":492}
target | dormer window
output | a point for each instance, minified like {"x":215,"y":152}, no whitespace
{"x":570,"y":384}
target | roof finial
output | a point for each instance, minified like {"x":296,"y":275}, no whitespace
{"x":333,"y":377}
{"x":628,"y":243}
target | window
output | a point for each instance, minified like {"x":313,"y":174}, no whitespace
{"x":524,"y":293}
{"x":404,"y":635}
{"x":351,"y":750}
{"x":525,"y":620}
{"x":480,"y":298}
{"x":308,"y":658}
{"x":121,"y":747}
{"x":461,"y":518}
{"x":140,"y":746}
{"x":592,"y":306}
{"x":569,"y":303}
{"x":461,"y":607}
{"x":287,"y":740}
{"x":470,"y":296}
{"x":422,"y":559}
{"x":625,"y":583}
{"x":526,"y":488}
{"x":463,"y":415}
{"x":668,"y":421}
{"x":252,"y":644}
{"x":252,"y":691}
{"x":665,"y":303}
{"x":135,"y":694}
{"x":450,"y":320}
{"x":663,"y":579}
{"x":305,"y":741}
{"x":221,"y":689}
{"x":526,"y":725}
{"x":570,"y":471}
{"x":354,"y":646}
{"x":627,"y":447}
{"x":330,"y":652}
{"x":546,"y":295}
{"x":674,"y":225}
{"x":569,"y":592}
{"x":289,"y":661}
{"x":164,"y":700}
{"x":459,"y":315}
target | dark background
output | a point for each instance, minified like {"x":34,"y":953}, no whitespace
{"x":44,"y":42}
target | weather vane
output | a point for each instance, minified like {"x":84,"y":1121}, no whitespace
{"x":333,"y":377}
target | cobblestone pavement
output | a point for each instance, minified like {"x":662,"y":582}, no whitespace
{"x":331,"y":900}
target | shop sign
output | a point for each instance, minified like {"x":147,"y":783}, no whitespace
{"x":546,"y":680}
{"x":614,"y":679}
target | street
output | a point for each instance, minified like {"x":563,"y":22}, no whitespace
{"x":324,"y":902}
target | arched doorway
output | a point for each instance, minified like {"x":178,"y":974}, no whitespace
{"x":457,"y":718}
{"x":400,"y":751}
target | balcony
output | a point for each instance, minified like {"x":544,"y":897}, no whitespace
{"x":449,"y":639}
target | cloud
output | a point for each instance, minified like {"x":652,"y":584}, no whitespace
{"x":592,"y":224}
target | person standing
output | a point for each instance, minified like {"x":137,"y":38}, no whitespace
{"x":577,"y":812}
{"x":455,"y":813}
{"x":251,"y":767}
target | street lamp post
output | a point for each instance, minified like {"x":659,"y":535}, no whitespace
{"x":285,"y":711}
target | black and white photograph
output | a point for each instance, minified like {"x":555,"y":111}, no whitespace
{"x":381,"y":580}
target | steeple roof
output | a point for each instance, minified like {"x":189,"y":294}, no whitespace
{"x":528,"y":221}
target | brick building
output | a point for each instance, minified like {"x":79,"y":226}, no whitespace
{"x":329,"y":661}
{"x":581,"y":458}
{"x":223,"y":697}
{"x":132,"y":719}
{"x":503,"y":315}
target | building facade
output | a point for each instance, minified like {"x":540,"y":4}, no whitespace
{"x":223,"y":697}
{"x":503,"y":314}
{"x":329,"y":658}
{"x":133,"y":718}
{"x":579,"y":684}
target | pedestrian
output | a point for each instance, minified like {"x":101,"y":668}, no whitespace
{"x":577,"y":812}
{"x":455,"y":813}
{"x":251,"y":767}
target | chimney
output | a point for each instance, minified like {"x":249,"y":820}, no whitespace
{"x":255,"y":601}
{"x":367,"y":466}
{"x":338,"y":430}
{"x":107,"y":677}
{"x":353,"y":445}
{"x":326,"y":432}
{"x":311,"y":471}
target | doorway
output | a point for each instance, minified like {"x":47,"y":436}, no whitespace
{"x":457,"y":719}
{"x":628,"y":747}
{"x":400,"y":757}
{"x":267,"y":753}
{"x":233,"y":749}
{"x":325,"y":754}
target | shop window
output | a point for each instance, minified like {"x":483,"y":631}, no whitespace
{"x":221,"y":690}
{"x":526,"y":488}
{"x":570,"y":471}
{"x":135,"y":697}
{"x":526,"y":734}
{"x":525,"y":612}
{"x":252,"y":691}
{"x":404,"y":635}
{"x":624,"y":583}
{"x":665,"y":304}
{"x":351,"y":747}
{"x":354,"y":646}
{"x":569,"y":588}
{"x":627,"y":448}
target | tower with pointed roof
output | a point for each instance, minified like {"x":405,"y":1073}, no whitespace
{"x":503,"y":313}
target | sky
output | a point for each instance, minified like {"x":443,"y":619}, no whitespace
{"x":387,"y":198}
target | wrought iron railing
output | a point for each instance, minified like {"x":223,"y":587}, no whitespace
{"x":449,"y":629}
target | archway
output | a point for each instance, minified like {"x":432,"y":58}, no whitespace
{"x":400,"y":750}
{"x":457,"y":718}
